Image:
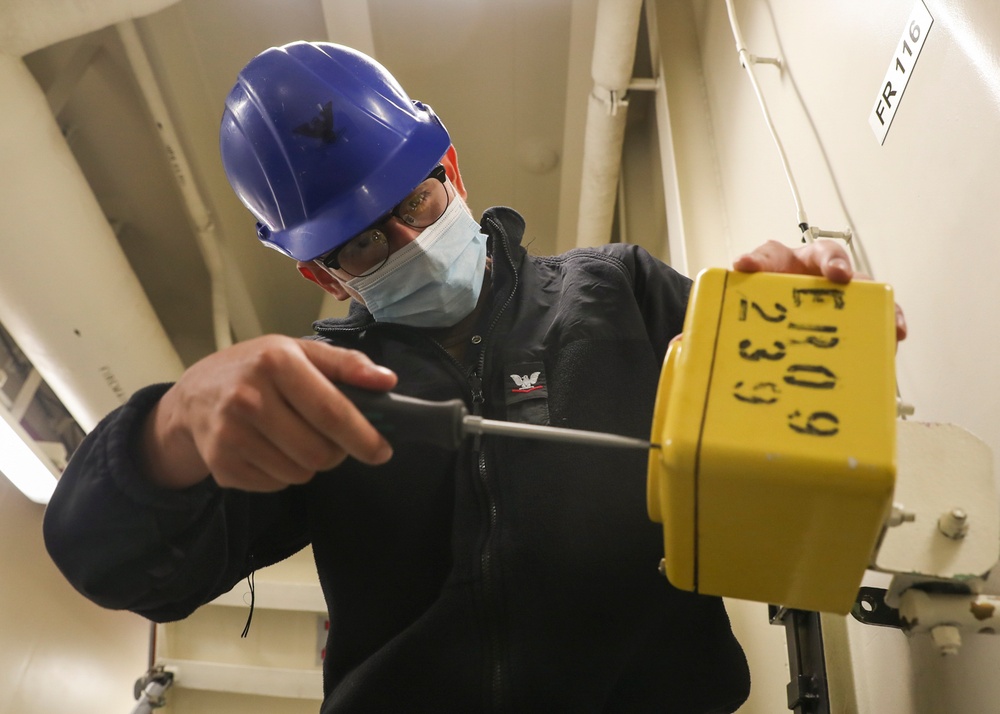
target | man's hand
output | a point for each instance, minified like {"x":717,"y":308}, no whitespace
{"x":263,"y":415}
{"x":823,"y":257}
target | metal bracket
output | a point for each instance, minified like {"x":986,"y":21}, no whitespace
{"x":808,"y":692}
{"x":870,"y":609}
{"x":149,"y":689}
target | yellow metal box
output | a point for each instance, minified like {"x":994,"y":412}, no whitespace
{"x":776,"y":418}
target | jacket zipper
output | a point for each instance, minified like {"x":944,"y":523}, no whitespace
{"x":475,"y":380}
{"x":498,"y":677}
{"x":491,"y":605}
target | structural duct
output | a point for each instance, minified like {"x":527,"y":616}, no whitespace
{"x":67,"y":292}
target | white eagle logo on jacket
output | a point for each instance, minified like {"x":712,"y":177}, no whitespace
{"x":526,"y":383}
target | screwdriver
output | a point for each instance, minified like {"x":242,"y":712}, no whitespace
{"x":447,"y":423}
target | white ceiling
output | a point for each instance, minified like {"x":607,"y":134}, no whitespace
{"x":500,"y":73}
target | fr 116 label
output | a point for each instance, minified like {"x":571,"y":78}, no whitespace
{"x":897,"y":77}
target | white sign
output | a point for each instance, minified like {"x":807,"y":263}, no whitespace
{"x":898,"y":76}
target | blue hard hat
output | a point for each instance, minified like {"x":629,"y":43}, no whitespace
{"x":319,"y":141}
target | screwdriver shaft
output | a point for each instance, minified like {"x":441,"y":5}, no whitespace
{"x":400,"y":418}
{"x":477,"y":425}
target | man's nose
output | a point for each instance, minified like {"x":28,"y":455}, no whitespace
{"x":398,"y":234}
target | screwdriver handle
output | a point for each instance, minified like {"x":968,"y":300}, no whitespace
{"x":399,"y":418}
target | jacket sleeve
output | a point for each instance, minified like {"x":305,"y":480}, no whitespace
{"x":126,"y":544}
{"x":660,"y":291}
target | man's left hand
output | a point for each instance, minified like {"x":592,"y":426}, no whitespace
{"x":823,"y":257}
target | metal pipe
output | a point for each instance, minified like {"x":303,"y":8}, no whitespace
{"x":607,"y":109}
{"x":201,"y":218}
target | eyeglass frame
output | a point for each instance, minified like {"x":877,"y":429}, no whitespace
{"x":330,"y":260}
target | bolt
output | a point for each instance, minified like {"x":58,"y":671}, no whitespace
{"x":947,"y":639}
{"x":900,"y":515}
{"x":954,"y":524}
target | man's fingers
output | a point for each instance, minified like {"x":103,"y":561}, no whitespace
{"x":257,"y":473}
{"x":263,"y":414}
{"x":825,"y":258}
{"x":300,"y":448}
{"x":257,"y":442}
{"x":308,"y":386}
{"x":349,"y":366}
{"x":773,"y":257}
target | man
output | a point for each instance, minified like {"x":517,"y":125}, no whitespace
{"x":507,"y":576}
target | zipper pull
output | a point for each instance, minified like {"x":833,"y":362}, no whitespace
{"x":476,"y":383}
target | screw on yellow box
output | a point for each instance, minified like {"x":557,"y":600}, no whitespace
{"x":776,"y":415}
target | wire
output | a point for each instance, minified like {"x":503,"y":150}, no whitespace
{"x":809,"y":233}
{"x":748,"y":60}
{"x":246,"y":627}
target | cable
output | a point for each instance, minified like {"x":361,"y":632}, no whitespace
{"x":809,"y":233}
{"x":748,"y":60}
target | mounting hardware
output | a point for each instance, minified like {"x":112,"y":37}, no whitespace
{"x":954,"y":523}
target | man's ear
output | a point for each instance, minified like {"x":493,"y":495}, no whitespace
{"x":450,"y":163}
{"x":330,"y":284}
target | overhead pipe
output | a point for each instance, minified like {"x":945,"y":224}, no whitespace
{"x":607,"y":111}
{"x":205,"y":228}
{"x":68,"y":295}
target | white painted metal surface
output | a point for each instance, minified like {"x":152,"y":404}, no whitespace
{"x":93,"y":347}
{"x":948,"y":618}
{"x":244,"y":679}
{"x":942,"y":467}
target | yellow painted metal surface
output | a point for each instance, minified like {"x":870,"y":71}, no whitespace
{"x":776,"y":416}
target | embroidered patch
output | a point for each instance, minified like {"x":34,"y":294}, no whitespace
{"x":525,"y":381}
{"x":526,"y":395}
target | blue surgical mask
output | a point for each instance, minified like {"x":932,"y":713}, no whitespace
{"x":435,"y":280}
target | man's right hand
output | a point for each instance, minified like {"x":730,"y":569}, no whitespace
{"x":263,"y":415}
